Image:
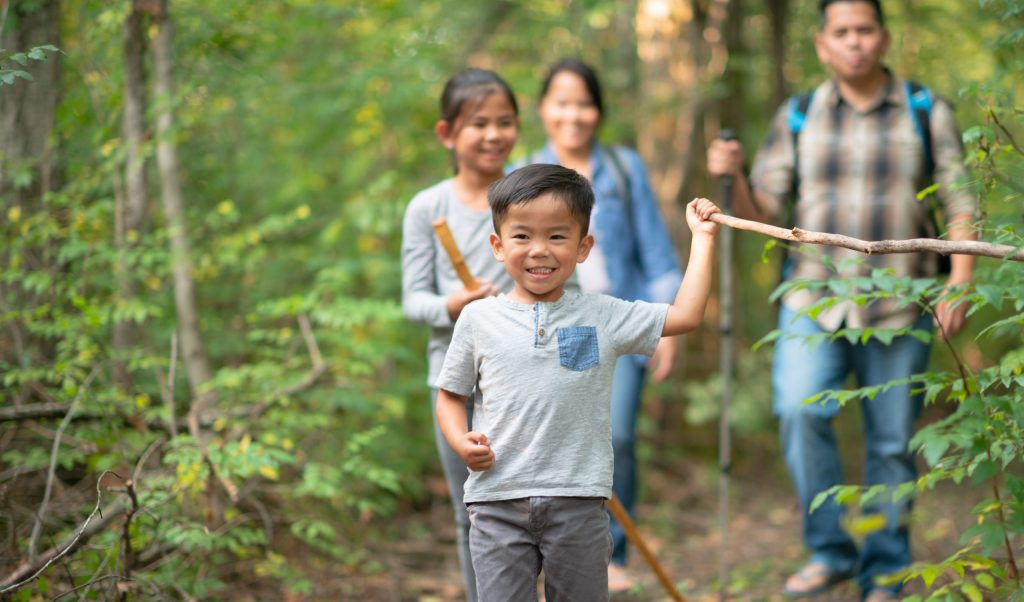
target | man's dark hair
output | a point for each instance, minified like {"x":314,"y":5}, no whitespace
{"x":875,"y":4}
{"x":524,"y":185}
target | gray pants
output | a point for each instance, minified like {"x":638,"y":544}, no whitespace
{"x":455,"y":472}
{"x":567,"y":537}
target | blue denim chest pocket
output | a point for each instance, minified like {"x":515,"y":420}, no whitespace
{"x":577,"y":347}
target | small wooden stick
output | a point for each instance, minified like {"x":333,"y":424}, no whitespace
{"x":448,"y":242}
{"x":627,"y":525}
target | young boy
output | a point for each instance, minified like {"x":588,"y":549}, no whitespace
{"x":543,"y":358}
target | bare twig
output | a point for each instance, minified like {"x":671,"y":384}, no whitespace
{"x":37,"y":528}
{"x":30,"y":569}
{"x":31,"y":411}
{"x":879,"y":247}
{"x":1006,"y":132}
{"x":88,"y":584}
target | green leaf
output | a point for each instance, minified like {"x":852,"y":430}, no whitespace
{"x":972,"y":592}
{"x":984,"y":470}
{"x":933,"y":449}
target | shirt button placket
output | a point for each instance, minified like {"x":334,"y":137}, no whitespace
{"x":540,"y":316}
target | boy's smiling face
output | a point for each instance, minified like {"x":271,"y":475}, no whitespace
{"x":540,"y":243}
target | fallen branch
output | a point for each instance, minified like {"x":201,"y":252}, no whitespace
{"x":30,"y":569}
{"x":878,"y":247}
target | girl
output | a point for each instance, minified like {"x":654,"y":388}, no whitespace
{"x":479,"y":124}
{"x":633,"y":257}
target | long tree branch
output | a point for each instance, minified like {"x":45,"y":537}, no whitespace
{"x":31,"y":569}
{"x":878,"y":247}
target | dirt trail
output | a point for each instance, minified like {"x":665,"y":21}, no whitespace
{"x":678,"y":517}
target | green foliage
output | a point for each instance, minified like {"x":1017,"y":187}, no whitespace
{"x":9,"y":74}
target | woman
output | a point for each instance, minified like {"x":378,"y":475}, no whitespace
{"x":633,"y":258}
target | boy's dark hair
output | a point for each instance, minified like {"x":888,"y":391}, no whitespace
{"x":586,"y":73}
{"x":875,"y":4}
{"x":527,"y":183}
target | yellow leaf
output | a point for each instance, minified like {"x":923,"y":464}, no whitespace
{"x":244,"y":444}
{"x":219,"y":424}
{"x":225,"y":207}
{"x":110,"y":146}
{"x":865,"y":525}
{"x":14,"y":213}
{"x":269,"y":472}
{"x":302,"y":211}
{"x":142,"y":401}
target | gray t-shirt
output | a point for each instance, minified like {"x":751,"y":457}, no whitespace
{"x":545,"y":374}
{"x":428,"y":277}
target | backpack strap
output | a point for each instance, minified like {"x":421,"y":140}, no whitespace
{"x":920,"y":100}
{"x":798,"y":105}
{"x":621,"y":174}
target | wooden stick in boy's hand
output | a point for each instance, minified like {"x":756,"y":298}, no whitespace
{"x":448,"y":242}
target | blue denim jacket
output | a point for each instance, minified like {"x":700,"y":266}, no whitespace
{"x":638,"y":251}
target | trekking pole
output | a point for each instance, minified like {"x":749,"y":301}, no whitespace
{"x":725,"y":368}
{"x":620,"y":514}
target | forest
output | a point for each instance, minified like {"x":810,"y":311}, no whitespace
{"x":208,"y":387}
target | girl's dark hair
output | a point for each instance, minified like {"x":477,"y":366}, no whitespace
{"x":875,"y":4}
{"x":526,"y":184}
{"x":470,"y":87}
{"x":586,"y":73}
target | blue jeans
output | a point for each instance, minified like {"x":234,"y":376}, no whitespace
{"x":456,"y":473}
{"x":801,"y":370}
{"x":627,"y":389}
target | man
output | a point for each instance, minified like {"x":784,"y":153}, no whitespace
{"x":854,"y":168}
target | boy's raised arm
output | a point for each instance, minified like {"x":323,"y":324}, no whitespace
{"x":474,"y":448}
{"x":687,"y":311}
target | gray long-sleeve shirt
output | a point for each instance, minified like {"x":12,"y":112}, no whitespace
{"x":428,"y":276}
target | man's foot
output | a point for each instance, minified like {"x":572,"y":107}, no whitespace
{"x":619,"y":579}
{"x":881,"y":595}
{"x":813,"y":579}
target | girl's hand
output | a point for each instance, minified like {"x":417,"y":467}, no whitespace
{"x":464,"y":296}
{"x":475,"y":450}
{"x":697,"y":213}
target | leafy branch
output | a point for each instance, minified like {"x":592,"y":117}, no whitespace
{"x":8,"y":74}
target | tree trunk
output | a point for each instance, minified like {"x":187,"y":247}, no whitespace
{"x":731,"y":109}
{"x":778,"y":12}
{"x":197,"y":364}
{"x":28,"y":147}
{"x":131,"y":208}
{"x":28,"y":108}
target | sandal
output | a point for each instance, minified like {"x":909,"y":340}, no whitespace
{"x":619,"y":579}
{"x":813,"y":579}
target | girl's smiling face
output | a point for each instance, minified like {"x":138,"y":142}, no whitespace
{"x":482,"y":137}
{"x":540,"y":243}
